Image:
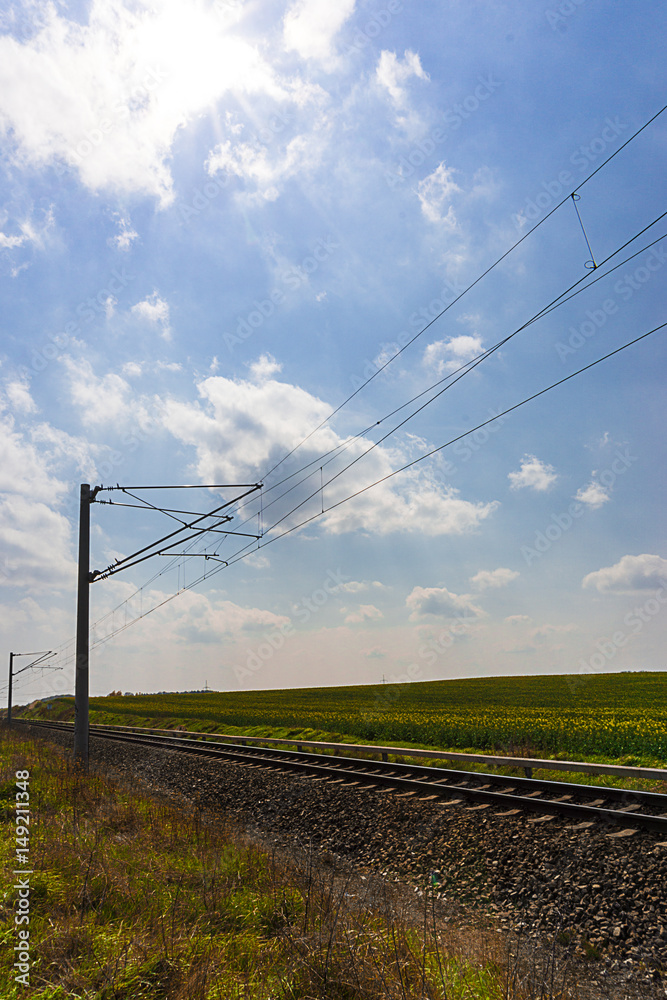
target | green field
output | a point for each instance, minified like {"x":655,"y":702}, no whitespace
{"x":620,"y":717}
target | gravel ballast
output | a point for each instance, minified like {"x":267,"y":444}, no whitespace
{"x":602,"y":891}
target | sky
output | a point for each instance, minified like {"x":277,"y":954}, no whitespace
{"x":237,"y":239}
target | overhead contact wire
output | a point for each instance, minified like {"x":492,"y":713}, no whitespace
{"x":555,"y":304}
{"x":472,"y":430}
{"x":469,"y":287}
{"x":242,"y":554}
{"x":473,"y":364}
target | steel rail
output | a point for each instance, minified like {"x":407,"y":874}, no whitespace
{"x":526,"y":763}
{"x":352,"y":771}
{"x":426,"y":772}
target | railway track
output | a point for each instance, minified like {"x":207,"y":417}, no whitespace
{"x":610,"y":807}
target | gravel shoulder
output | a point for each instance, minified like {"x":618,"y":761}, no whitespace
{"x":572,"y":899}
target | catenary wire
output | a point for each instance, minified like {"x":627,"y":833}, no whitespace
{"x":551,"y":307}
{"x":555,"y":303}
{"x":125,"y":563}
{"x":453,"y":440}
{"x":467,"y":289}
{"x":469,"y":365}
{"x":344,"y":445}
{"x":242,"y":554}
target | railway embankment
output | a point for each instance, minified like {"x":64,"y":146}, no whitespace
{"x":600,"y":892}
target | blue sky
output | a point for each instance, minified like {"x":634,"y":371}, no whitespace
{"x":218,"y":220}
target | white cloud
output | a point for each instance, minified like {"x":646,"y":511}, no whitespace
{"x":544,"y":632}
{"x":438,"y":602}
{"x":10,"y":242}
{"x":266,"y":168}
{"x":244,"y":426}
{"x":44,"y":620}
{"x":154,"y":310}
{"x":124,"y":239}
{"x":18,"y":394}
{"x":58,"y":447}
{"x":132,"y":369}
{"x":448,"y":355}
{"x":493,"y":578}
{"x":630,"y":575}
{"x":310,"y":26}
{"x":412,"y":505}
{"x":594,"y":495}
{"x":359,"y":586}
{"x":36,"y":543}
{"x":23,"y":470}
{"x":102,"y":400}
{"x":33,"y":233}
{"x":35,"y":537}
{"x":257,"y":560}
{"x":391,"y":73}
{"x":485,"y":186}
{"x":109,"y":400}
{"x":106,"y":97}
{"x":363,"y":613}
{"x":265,"y":366}
{"x":201,"y":618}
{"x":435,"y":194}
{"x":241,"y":428}
{"x":542,"y":638}
{"x":533,"y":474}
{"x":37,"y":232}
{"x":518,"y":619}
